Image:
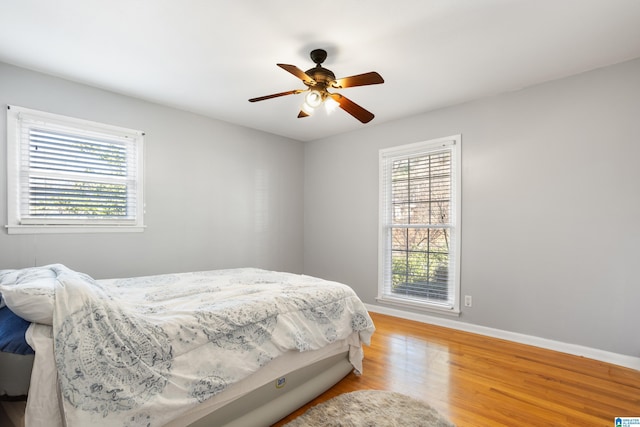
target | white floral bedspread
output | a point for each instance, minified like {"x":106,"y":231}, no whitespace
{"x":141,"y":351}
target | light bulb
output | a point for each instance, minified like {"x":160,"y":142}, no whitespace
{"x":313,"y":98}
{"x":308,"y":110}
{"x":330,"y":105}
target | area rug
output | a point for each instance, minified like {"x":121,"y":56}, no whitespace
{"x":368,"y":408}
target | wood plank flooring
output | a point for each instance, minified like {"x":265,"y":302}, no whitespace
{"x":475,"y":380}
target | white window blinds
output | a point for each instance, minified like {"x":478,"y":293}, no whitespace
{"x":69,"y":172}
{"x":419,"y":230}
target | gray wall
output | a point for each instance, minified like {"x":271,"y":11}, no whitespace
{"x":217,"y":195}
{"x":550,"y":207}
{"x":551,"y":200}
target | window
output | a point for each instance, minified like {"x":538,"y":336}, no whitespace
{"x":420,"y":225}
{"x":72,"y":175}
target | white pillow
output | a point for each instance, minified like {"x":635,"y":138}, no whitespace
{"x":29,"y":292}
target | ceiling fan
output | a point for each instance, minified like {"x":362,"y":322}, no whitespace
{"x":318,"y":80}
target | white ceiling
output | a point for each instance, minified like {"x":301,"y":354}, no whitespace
{"x":211,"y":56}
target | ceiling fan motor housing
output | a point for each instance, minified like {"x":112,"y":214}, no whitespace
{"x":323,"y":77}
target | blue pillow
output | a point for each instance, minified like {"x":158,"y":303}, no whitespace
{"x":12,"y":329}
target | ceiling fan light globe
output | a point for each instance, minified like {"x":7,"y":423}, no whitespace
{"x":330,"y":105}
{"x":308,"y":110}
{"x":313,"y":99}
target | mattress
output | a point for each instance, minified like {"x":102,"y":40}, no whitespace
{"x":285,"y":384}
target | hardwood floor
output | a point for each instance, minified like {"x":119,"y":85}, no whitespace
{"x":480,"y":381}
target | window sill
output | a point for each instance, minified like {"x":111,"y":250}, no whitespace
{"x":418,"y":305}
{"x":72,"y":229}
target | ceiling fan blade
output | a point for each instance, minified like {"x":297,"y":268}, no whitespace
{"x":371,"y":78}
{"x":298,"y":73}
{"x":352,"y":108}
{"x":275,"y":95}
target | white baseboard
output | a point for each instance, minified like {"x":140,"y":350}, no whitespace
{"x":577,"y":350}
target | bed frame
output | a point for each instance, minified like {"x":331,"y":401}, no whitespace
{"x":15,"y":375}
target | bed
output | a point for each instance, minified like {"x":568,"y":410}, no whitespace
{"x":237,"y":347}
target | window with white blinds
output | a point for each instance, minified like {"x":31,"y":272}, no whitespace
{"x":72,"y":175}
{"x":419,"y":225}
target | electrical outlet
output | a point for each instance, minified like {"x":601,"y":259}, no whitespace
{"x":467,"y":301}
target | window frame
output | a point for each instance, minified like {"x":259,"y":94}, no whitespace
{"x":386,"y":158}
{"x":18,"y":173}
